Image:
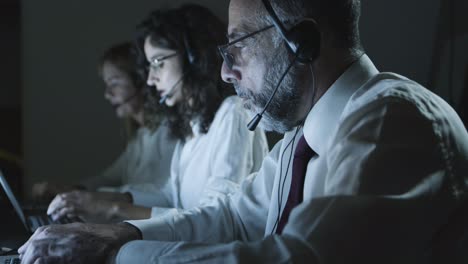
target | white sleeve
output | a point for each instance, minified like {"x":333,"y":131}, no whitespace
{"x":240,"y":216}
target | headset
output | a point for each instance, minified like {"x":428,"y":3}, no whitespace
{"x":191,"y":58}
{"x":190,"y":53}
{"x":302,"y":40}
{"x":189,"y":49}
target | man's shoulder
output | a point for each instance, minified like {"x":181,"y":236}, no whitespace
{"x":387,"y":88}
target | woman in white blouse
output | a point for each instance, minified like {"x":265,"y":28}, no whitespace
{"x":215,"y":150}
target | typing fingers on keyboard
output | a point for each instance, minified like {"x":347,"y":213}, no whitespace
{"x":55,"y":204}
{"x":64,"y":211}
{"x":60,"y":202}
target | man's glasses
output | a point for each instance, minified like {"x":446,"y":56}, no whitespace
{"x":228,"y":56}
{"x":155,"y":63}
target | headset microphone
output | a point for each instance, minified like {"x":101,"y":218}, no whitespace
{"x":171,"y":91}
{"x":252,"y":125}
{"x":163,"y":99}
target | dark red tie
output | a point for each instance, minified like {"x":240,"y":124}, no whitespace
{"x":302,"y":155}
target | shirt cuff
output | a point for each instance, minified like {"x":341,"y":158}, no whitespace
{"x":157,"y":228}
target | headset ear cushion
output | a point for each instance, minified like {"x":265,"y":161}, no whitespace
{"x":188,"y":49}
{"x":306,"y":37}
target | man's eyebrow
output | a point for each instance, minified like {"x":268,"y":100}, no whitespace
{"x":240,"y":31}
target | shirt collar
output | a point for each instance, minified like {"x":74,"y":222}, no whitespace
{"x":324,"y":116}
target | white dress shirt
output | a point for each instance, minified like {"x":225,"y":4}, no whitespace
{"x":392,"y":161}
{"x":145,"y":160}
{"x":208,"y":165}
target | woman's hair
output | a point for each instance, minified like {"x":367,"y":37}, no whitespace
{"x":124,"y":57}
{"x":194,"y":32}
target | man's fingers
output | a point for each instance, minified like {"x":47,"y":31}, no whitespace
{"x":62,"y":201}
{"x":64,"y":211}
{"x":25,"y":246}
{"x":37,"y":248}
{"x":56,"y":202}
{"x":71,"y":203}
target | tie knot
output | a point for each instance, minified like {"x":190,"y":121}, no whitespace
{"x":303,"y":149}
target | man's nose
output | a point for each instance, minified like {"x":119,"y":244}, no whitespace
{"x":230,"y":75}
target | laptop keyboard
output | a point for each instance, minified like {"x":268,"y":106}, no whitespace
{"x":12,"y":261}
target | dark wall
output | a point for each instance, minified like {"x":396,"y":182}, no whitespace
{"x":10,"y":54}
{"x":415,"y":38}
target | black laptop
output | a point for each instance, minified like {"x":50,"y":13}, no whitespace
{"x":31,"y":219}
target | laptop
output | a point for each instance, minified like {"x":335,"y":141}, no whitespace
{"x":31,"y":219}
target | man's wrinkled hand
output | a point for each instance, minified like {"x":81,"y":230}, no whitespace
{"x":76,"y":243}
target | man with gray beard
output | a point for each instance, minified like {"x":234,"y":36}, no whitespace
{"x":370,"y":168}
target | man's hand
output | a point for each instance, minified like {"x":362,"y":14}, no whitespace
{"x":76,"y":243}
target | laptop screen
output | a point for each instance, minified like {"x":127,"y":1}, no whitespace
{"x":12,"y":198}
